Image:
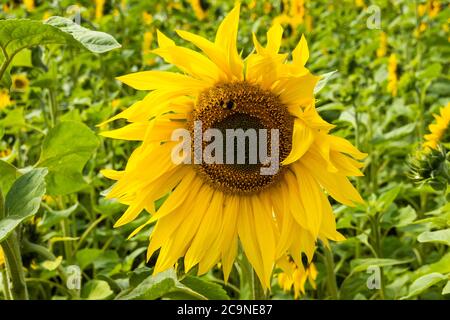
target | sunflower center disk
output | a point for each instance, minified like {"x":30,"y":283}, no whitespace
{"x":245,"y":120}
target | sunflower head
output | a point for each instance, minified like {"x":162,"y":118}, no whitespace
{"x":255,"y":161}
{"x":439,"y":130}
{"x":431,"y":167}
{"x":20,"y":82}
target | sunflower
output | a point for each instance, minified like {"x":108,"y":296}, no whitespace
{"x":99,"y":8}
{"x":438,"y":130}
{"x":200,"y":8}
{"x":382,"y":49}
{"x":29,"y":5}
{"x":392,"y":86}
{"x":20,"y":82}
{"x":2,"y":257}
{"x":296,"y":277}
{"x":5,"y":99}
{"x":211,"y":208}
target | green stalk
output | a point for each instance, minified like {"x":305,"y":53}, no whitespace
{"x":6,"y":288}
{"x":14,"y":266}
{"x":331,"y":277}
{"x":250,"y":286}
{"x":378,"y":249}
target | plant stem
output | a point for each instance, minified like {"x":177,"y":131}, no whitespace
{"x":331,"y":278}
{"x":258,"y":292}
{"x":378,"y":249}
{"x":6,"y":288}
{"x":15,"y":269}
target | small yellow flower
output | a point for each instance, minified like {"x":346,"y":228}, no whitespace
{"x":438,"y":129}
{"x":123,"y":4}
{"x":48,"y":199}
{"x":115,"y":103}
{"x":99,"y":6}
{"x":5,"y":7}
{"x":296,"y":277}
{"x":382,"y":49}
{"x":2,"y":257}
{"x":252,"y":4}
{"x":421,"y":9}
{"x":146,"y":49}
{"x":434,"y":7}
{"x":29,"y":5}
{"x":147,"y":18}
{"x":267,"y":7}
{"x":20,"y":82}
{"x":5,"y":100}
{"x":360,"y":3}
{"x":47,"y":14}
{"x":392,"y":75}
{"x":199,"y":9}
{"x":5,"y":153}
{"x":308,"y":23}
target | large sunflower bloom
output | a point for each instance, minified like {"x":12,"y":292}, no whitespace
{"x":438,"y":129}
{"x":213,"y":207}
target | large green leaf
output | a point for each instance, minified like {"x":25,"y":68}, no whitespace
{"x":206,"y":288}
{"x":96,"y":290}
{"x":94,"y":41}
{"x":423,"y":283}
{"x":362,"y":264}
{"x":18,"y":34}
{"x":65,"y":151}
{"x":153,"y":287}
{"x":440,"y":236}
{"x":23,"y":200}
{"x":8,"y":174}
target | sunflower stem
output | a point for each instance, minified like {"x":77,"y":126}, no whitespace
{"x":258,"y":291}
{"x":14,"y":267}
{"x":331,"y":277}
{"x":6,"y":288}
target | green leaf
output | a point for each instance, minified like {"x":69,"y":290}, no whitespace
{"x":362,"y":264}
{"x":153,"y":287}
{"x":87,"y":256}
{"x":96,"y":290}
{"x":441,"y":266}
{"x":324,"y":78}
{"x":446,"y":289}
{"x":94,"y":41}
{"x":14,"y":118}
{"x":387,"y":198}
{"x":23,"y":200}
{"x":65,"y":151}
{"x":22,"y":59}
{"x":18,"y":34}
{"x":52,"y":264}
{"x":8,"y":174}
{"x":208,"y":289}
{"x":423,"y":283}
{"x":440,"y":236}
{"x":53,"y":217}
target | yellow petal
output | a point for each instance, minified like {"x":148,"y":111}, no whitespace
{"x":301,"y":52}
{"x":302,"y":138}
{"x":226,"y":39}
{"x":132,"y":132}
{"x":152,"y":80}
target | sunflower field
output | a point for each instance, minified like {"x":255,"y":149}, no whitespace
{"x":355,"y":95}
